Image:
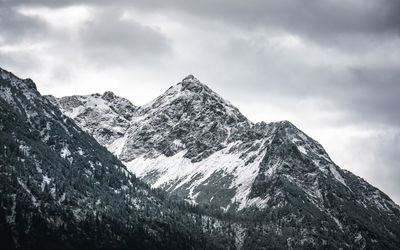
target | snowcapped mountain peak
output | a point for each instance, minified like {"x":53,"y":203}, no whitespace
{"x":193,"y":128}
{"x":192,"y":95}
{"x":190,"y":78}
{"x":191,"y":83}
{"x":192,"y":143}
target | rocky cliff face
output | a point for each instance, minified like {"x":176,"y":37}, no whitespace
{"x":194,"y":144}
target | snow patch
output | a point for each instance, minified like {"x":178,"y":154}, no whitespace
{"x":337,"y":176}
{"x":25,"y":150}
{"x":65,"y":152}
{"x":337,"y":222}
{"x":181,"y":170}
{"x":81,"y":152}
{"x":33,"y":198}
{"x":302,"y":149}
{"x":62,"y":198}
{"x":117,"y":146}
{"x":46,"y":180}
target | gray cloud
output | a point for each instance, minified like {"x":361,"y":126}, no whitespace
{"x":15,"y":27}
{"x":22,"y":63}
{"x":363,"y":92}
{"x":387,"y":158}
{"x":341,"y":23}
{"x":374,"y":94}
{"x":109,"y":39}
{"x":105,"y":40}
{"x":309,"y":16}
{"x":345,"y":24}
{"x":376,"y":158}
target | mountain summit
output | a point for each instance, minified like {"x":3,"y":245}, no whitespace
{"x":194,"y":144}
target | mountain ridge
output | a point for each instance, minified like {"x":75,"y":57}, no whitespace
{"x":195,"y":86}
{"x":60,"y":189}
{"x":278,"y":187}
{"x":192,"y":143}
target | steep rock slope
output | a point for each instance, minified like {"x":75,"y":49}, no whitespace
{"x":194,"y":144}
{"x":60,"y":189}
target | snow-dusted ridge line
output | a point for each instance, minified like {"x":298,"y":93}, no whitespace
{"x":192,"y":142}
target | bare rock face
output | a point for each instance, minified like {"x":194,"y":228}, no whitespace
{"x":194,"y":144}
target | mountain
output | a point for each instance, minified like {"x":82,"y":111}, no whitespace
{"x":194,"y":144}
{"x":60,"y":189}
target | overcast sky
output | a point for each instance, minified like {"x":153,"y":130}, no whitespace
{"x":331,"y":67}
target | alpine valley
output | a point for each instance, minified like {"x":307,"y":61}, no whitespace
{"x":185,"y":171}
